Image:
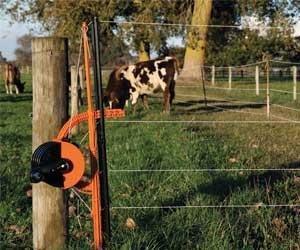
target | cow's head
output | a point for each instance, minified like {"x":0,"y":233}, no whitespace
{"x":21,"y":86}
{"x":117,"y":90}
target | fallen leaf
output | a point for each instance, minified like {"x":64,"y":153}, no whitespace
{"x":16,"y":229}
{"x":233,"y":160}
{"x":130,"y":224}
{"x":29,"y":193}
{"x":72,"y":210}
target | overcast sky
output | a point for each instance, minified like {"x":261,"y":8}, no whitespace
{"x":9,"y":34}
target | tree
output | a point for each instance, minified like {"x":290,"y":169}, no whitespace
{"x":2,"y":58}
{"x":196,"y":41}
{"x":23,"y":52}
{"x":64,"y":18}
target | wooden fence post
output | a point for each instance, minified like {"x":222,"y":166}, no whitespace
{"x":294,"y":83}
{"x":74,"y":95}
{"x":229,"y":77}
{"x":257,"y":80}
{"x":213,"y":73}
{"x":50,"y":97}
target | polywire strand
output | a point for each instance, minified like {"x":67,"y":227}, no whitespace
{"x":284,"y":62}
{"x":252,"y":113}
{"x":284,"y":107}
{"x":250,"y":65}
{"x":239,"y":66}
{"x":231,"y":101}
{"x":204,"y":170}
{"x":282,"y":118}
{"x":282,"y":91}
{"x":234,"y":89}
{"x":236,"y":111}
{"x":187,"y":25}
{"x":202,"y":122}
{"x":259,"y":205}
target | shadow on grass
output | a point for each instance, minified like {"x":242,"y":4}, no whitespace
{"x":221,"y":188}
{"x":214,"y":106}
{"x":16,"y":98}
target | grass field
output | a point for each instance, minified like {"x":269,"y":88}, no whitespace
{"x":241,"y":147}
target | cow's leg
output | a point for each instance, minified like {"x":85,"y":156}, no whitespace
{"x":167,"y":100}
{"x":172,"y":91}
{"x":17,"y":89}
{"x":7,"y":87}
{"x":145,"y":102}
{"x":135,"y":97}
{"x":10,"y":89}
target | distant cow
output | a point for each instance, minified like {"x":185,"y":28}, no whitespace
{"x":12,"y":78}
{"x":141,"y":79}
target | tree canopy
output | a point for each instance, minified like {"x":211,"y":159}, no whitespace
{"x":23,"y":52}
{"x":224,"y":45}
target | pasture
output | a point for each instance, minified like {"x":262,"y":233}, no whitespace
{"x":210,"y":197}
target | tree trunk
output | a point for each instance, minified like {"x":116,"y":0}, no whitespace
{"x":50,"y":112}
{"x":196,"y":42}
{"x":144,"y":51}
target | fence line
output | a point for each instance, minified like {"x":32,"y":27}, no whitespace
{"x":222,"y":99}
{"x":258,"y":205}
{"x":285,"y":62}
{"x":203,"y":170}
{"x":188,"y":25}
{"x":284,"y":107}
{"x":202,"y":122}
{"x":283,"y":91}
{"x":236,"y":89}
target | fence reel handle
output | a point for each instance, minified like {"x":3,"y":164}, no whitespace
{"x":39,"y":174}
{"x":58,"y":163}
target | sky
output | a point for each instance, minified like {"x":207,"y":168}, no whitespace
{"x":10,"y":32}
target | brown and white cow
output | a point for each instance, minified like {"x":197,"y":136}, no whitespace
{"x":142,"y":79}
{"x":12,"y":78}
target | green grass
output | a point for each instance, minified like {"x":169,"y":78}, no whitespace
{"x":174,"y":146}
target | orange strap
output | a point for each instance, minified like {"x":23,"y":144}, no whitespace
{"x":96,"y":201}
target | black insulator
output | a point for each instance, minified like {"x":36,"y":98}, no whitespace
{"x":47,"y":165}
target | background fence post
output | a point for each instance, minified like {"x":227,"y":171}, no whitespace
{"x":213,"y":73}
{"x":74,"y":95}
{"x":268,"y":87}
{"x":294,"y":83}
{"x":229,"y":77}
{"x":50,"y":97}
{"x":257,"y":80}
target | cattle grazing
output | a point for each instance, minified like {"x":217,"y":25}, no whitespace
{"x":12,"y":78}
{"x":129,"y":82}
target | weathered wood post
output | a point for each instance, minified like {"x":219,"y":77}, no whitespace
{"x":74,"y":95}
{"x":257,"y":80}
{"x":229,"y":77}
{"x":50,"y":96}
{"x":213,"y":73}
{"x":294,"y":83}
